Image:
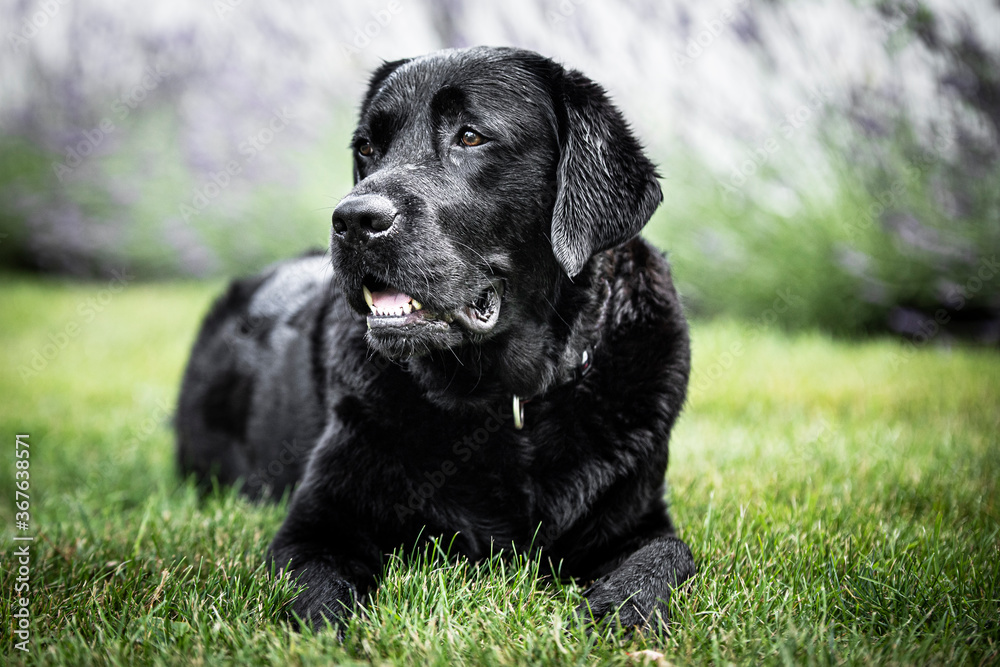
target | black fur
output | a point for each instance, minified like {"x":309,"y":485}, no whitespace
{"x":522,"y":250}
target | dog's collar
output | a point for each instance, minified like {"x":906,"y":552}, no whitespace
{"x":581,"y":369}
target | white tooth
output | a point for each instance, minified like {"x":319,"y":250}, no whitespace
{"x":368,"y":297}
{"x":416,"y":304}
{"x":407,"y":308}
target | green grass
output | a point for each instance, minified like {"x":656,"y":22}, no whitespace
{"x":841,"y":500}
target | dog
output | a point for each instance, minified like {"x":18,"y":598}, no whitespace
{"x":490,"y":353}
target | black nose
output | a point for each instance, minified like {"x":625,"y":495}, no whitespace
{"x":358,"y":218}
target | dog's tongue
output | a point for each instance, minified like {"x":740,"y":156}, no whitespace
{"x":389,"y":300}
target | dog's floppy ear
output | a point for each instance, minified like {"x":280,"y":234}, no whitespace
{"x":378,"y":77}
{"x":606,"y":187}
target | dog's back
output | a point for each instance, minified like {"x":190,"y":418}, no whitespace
{"x":250,"y":405}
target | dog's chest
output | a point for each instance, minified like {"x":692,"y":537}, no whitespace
{"x":465,"y":477}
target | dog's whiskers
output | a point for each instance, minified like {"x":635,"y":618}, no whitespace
{"x":481,"y":256}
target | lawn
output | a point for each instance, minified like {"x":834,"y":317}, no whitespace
{"x":841,"y":499}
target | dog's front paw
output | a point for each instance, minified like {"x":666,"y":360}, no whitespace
{"x":610,"y":602}
{"x":637,"y":593}
{"x":331,"y":601}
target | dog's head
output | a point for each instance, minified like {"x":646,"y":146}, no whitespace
{"x":483,"y":178}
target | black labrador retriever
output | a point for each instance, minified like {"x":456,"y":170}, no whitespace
{"x":494,"y":356}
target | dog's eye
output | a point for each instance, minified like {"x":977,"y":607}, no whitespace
{"x":472,"y":138}
{"x":365,"y":149}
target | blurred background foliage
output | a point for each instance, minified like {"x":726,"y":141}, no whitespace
{"x":825,"y":163}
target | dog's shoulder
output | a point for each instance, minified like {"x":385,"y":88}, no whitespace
{"x":643,"y":304}
{"x":645,"y":337}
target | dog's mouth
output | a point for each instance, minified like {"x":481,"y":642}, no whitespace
{"x":395,"y":310}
